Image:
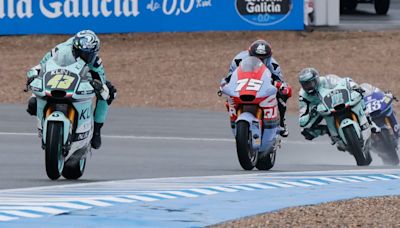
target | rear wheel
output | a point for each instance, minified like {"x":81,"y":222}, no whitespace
{"x":382,"y":6}
{"x":389,"y":148}
{"x":247,"y":157}
{"x":267,"y":162}
{"x":353,"y":145}
{"x":74,"y":169}
{"x":53,"y":152}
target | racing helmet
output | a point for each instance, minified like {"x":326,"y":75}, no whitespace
{"x":260,"y":49}
{"x":86,"y":45}
{"x":309,"y":80}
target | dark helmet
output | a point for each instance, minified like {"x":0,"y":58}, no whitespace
{"x":260,"y":49}
{"x":309,"y":80}
{"x":86,"y":45}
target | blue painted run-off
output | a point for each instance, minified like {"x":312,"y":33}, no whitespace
{"x":212,"y":204}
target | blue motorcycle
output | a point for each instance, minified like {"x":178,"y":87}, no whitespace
{"x":379,"y":106}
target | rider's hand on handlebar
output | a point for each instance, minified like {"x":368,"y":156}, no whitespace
{"x":28,"y":82}
{"x":283,"y":88}
{"x":219,"y":92}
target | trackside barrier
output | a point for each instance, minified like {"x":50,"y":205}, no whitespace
{"x":119,"y":16}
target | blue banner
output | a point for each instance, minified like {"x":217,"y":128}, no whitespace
{"x":119,"y":16}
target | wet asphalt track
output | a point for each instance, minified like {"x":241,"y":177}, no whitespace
{"x":149,"y":143}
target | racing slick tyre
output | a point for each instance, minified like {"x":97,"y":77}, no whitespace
{"x":267,"y":162}
{"x":74,"y":169}
{"x":53,"y":151}
{"x":389,"y":148}
{"x":353,"y":145}
{"x":246,"y":155}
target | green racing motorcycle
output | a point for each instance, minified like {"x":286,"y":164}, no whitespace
{"x":65,"y":116}
{"x":343,"y":109}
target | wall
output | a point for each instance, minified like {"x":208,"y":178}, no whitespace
{"x":110,"y":16}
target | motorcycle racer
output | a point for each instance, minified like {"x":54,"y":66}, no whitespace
{"x":309,"y":119}
{"x":86,"y":46}
{"x":262,"y":50}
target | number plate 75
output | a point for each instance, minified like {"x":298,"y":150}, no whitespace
{"x":252,"y":84}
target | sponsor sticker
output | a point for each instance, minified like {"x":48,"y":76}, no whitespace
{"x":263,"y":12}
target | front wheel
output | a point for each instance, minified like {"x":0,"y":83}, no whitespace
{"x":53,"y":152}
{"x":354,"y":146}
{"x":246,"y":155}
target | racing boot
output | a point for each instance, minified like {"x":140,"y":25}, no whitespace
{"x":374,"y":127}
{"x":283,"y":131}
{"x":96,"y":139}
{"x":32,"y":106}
{"x":282,"y":110}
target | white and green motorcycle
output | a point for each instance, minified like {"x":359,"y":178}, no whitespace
{"x":65,"y":116}
{"x":343,"y":110}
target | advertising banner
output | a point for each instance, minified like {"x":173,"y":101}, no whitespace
{"x":119,"y":16}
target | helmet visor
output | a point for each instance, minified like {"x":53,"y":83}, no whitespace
{"x":309,"y":86}
{"x":87,"y":56}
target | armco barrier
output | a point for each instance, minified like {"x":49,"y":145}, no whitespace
{"x":110,"y":16}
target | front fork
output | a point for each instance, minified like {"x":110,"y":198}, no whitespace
{"x":67,"y":117}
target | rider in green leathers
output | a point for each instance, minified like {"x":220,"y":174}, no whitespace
{"x":309,"y":99}
{"x":85,"y":45}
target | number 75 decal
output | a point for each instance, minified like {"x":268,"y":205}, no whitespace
{"x":252,"y":84}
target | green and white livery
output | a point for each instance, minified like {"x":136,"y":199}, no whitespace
{"x":342,"y":107}
{"x":65,"y":114}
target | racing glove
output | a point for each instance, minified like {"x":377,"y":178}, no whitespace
{"x":283,"y":88}
{"x":112,"y":92}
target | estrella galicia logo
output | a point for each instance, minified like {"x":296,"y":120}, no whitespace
{"x":263,"y":12}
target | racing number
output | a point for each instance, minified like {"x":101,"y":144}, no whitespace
{"x":60,"y":81}
{"x":270,"y":113}
{"x":373,"y":106}
{"x":252,"y":85}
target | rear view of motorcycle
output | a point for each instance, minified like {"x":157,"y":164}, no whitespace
{"x":252,"y":105}
{"x":380,"y":106}
{"x":65,"y":119}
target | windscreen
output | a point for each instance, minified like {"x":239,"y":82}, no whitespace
{"x":369,"y":89}
{"x":63,"y":57}
{"x":251,"y":64}
{"x":332,"y":80}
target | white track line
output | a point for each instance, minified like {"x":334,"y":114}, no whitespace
{"x":160,"y":195}
{"x":4,"y":218}
{"x":133,"y":137}
{"x":203,"y":191}
{"x":141,"y":198}
{"x":47,"y":210}
{"x":247,"y":176}
{"x":329,"y":179}
{"x":180,"y":193}
{"x":21,"y":214}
